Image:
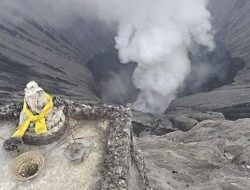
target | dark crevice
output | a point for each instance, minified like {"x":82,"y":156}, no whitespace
{"x":113,"y":80}
{"x":210,"y":70}
{"x":236,"y":112}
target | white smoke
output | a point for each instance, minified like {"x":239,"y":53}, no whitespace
{"x":156,"y":34}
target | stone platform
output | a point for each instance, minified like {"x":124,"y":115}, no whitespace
{"x":113,"y":161}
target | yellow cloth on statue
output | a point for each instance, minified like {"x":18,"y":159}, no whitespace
{"x":39,"y":120}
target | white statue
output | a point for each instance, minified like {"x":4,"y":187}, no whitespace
{"x":39,"y":115}
{"x":36,"y":100}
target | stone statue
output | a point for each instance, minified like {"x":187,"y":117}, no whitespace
{"x":39,"y":116}
{"x":36,"y":100}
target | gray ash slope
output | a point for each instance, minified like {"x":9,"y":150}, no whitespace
{"x":54,"y":56}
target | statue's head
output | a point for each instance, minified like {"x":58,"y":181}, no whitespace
{"x":32,"y":88}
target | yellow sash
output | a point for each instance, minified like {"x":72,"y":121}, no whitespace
{"x":40,"y":124}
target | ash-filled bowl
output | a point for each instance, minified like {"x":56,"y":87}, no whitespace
{"x":27,"y":166}
{"x":75,"y":152}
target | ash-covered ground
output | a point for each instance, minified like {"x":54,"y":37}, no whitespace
{"x":58,"y":171}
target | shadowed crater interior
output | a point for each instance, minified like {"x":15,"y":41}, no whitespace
{"x":209,"y":70}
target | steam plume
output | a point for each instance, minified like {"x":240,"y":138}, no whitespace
{"x":156,"y":34}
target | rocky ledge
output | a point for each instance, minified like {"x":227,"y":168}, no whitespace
{"x":183,"y":120}
{"x":121,"y":154}
{"x":212,"y":155}
{"x":232,"y":101}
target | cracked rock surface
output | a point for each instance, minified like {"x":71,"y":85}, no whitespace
{"x":212,"y":155}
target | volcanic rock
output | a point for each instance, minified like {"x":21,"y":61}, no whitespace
{"x":212,"y":155}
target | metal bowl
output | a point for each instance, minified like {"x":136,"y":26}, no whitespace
{"x":75,"y":152}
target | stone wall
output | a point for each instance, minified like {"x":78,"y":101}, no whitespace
{"x":120,"y":149}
